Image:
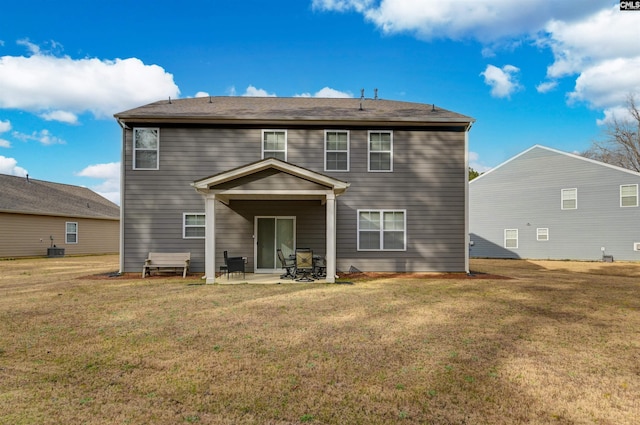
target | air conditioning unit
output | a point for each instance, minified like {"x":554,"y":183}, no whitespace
{"x":636,"y":246}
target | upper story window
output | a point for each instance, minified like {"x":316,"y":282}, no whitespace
{"x":71,"y":232}
{"x":511,"y":238}
{"x":569,"y":199}
{"x":382,"y":230}
{"x":274,"y":144}
{"x":336,"y":150}
{"x":146,"y":144}
{"x":194,"y":225}
{"x":380,"y":151}
{"x":629,"y":195}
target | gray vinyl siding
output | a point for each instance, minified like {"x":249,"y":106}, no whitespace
{"x":525,"y":194}
{"x":428,"y":182}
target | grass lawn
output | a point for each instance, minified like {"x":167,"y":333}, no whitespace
{"x":556,"y":343}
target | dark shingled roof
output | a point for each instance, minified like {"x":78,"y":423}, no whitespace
{"x":29,"y":196}
{"x":286,"y":109}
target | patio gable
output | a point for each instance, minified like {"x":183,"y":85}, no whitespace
{"x":270,"y":179}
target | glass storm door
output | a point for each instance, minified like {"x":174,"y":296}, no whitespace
{"x":273,"y":233}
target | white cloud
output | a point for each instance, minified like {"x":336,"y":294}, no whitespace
{"x":59,"y":87}
{"x":62,"y":116}
{"x":43,"y":136}
{"x":327,"y":92}
{"x":601,"y":36}
{"x":608,"y":83}
{"x":546,"y":86}
{"x":110,"y":173}
{"x":10,"y":166}
{"x":503,"y":81}
{"x":604,"y":60}
{"x":5,"y":126}
{"x":255,"y":92}
{"x":484,"y":20}
{"x":5,"y":143}
{"x":202,"y":94}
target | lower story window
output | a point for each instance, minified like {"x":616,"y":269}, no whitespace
{"x":542,"y":234}
{"x":194,"y":225}
{"x":71,"y":232}
{"x":382,"y":230}
{"x":511,"y":238}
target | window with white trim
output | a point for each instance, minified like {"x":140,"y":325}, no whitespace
{"x":380,"y":151}
{"x":193,"y":226}
{"x":71,"y":232}
{"x":382,"y":230}
{"x":569,"y":199}
{"x":274,"y":144}
{"x":511,"y":238}
{"x":146,"y":145}
{"x":336,"y":150}
{"x":629,"y":195}
{"x":542,"y":234}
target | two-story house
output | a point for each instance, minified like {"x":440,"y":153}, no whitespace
{"x":370,"y":184}
{"x":548,"y":204}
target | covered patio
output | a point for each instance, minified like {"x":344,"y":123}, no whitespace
{"x":268,"y":180}
{"x":261,"y":279}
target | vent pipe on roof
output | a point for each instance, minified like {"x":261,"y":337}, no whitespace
{"x":375,"y":93}
{"x":433,"y":107}
{"x":27,"y":176}
{"x":170,"y":100}
{"x":361,"y":99}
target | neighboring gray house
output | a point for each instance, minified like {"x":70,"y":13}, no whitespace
{"x":36,"y":214}
{"x":548,"y":204}
{"x":371,"y":184}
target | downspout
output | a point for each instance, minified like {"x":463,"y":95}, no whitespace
{"x":467,"y":237}
{"x":122,"y":153}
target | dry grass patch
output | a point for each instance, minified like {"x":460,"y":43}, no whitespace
{"x":550,"y":345}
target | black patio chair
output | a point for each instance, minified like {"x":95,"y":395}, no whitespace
{"x":288,"y":264}
{"x":304,"y":264}
{"x":233,"y":265}
{"x":319,"y":267}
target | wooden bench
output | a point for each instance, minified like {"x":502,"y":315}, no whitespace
{"x":158,"y":260}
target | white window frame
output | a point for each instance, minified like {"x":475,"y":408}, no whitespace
{"x":185,"y":225}
{"x":369,"y":151}
{"x":327,"y":150}
{"x":542,"y":234}
{"x":262,"y":142}
{"x":135,"y":149}
{"x":67,"y":232}
{"x":506,"y":239}
{"x":381,"y":229}
{"x":621,"y":197}
{"x":564,"y":198}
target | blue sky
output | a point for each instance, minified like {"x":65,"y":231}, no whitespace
{"x":529,"y":71}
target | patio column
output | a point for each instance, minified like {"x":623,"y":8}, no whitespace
{"x":210,"y":239}
{"x":331,"y":237}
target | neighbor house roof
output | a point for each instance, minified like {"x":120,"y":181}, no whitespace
{"x":28,"y":196}
{"x":272,"y":110}
{"x":556,"y":151}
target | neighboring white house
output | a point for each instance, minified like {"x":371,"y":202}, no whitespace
{"x":549,"y":204}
